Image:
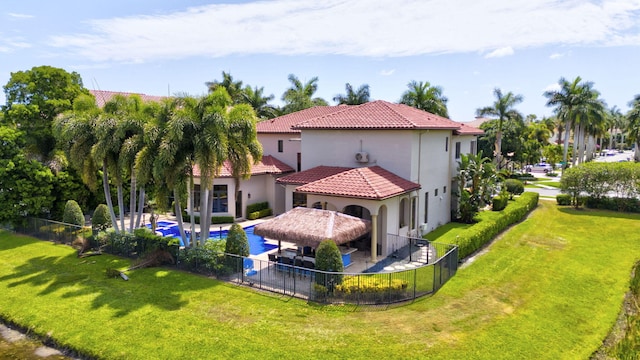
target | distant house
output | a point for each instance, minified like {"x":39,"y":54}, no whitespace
{"x":388,"y":163}
{"x":102,"y":96}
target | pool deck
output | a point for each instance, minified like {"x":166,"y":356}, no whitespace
{"x":360,"y":260}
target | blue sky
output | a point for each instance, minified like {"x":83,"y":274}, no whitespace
{"x":467,"y":47}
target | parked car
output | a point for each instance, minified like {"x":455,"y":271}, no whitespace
{"x":541,"y":167}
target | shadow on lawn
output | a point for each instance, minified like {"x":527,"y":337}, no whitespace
{"x":76,"y":277}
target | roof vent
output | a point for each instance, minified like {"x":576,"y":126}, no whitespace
{"x":362,"y":157}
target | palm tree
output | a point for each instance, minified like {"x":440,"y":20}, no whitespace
{"x":210,"y":148}
{"x":633,"y":125}
{"x":234,"y":88}
{"x":76,"y":132}
{"x":503,"y":109}
{"x":243,"y":147}
{"x":259,"y":102}
{"x":300,"y":96}
{"x":173,"y":164}
{"x":352,"y":97}
{"x":423,"y":96}
{"x":575,"y":102}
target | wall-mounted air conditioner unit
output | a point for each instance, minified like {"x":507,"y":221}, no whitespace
{"x":424,"y":228}
{"x":362,"y":157}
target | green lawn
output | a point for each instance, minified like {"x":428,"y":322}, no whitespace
{"x":549,"y":288}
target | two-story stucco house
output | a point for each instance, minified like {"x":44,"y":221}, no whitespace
{"x":388,"y":163}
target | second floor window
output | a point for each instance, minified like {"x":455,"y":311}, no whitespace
{"x":458,"y":150}
{"x":280,"y":145}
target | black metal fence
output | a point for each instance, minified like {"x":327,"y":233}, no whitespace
{"x":52,"y":230}
{"x":319,"y":286}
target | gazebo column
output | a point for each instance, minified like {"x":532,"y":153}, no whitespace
{"x":374,"y":238}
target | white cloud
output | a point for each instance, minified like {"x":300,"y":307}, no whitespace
{"x":505,"y":51}
{"x":20,"y":16}
{"x":387,"y":72}
{"x":552,"y":87}
{"x":372,"y":28}
{"x":555,"y":56}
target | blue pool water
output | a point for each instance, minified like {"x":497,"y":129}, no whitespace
{"x":257,"y":244}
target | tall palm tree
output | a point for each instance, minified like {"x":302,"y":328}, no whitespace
{"x":503,"y":110}
{"x":173,"y":164}
{"x":423,"y":96}
{"x":633,"y":125}
{"x":574,"y":103}
{"x":260,"y":103}
{"x":352,"y":97}
{"x":300,"y":95}
{"x":210,"y":148}
{"x":76,"y":131}
{"x":243,"y":147}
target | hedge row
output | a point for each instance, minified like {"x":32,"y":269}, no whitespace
{"x":473,"y":238}
{"x":214,"y":219}
{"x":259,"y":214}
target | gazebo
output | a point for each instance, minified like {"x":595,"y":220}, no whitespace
{"x":308,"y":227}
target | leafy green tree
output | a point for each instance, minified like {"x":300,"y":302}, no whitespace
{"x":73,"y":214}
{"x":503,"y":109}
{"x":33,"y":100}
{"x":353,"y":97}
{"x":423,"y":96}
{"x":300,"y":95}
{"x":328,"y":258}
{"x":100,"y":221}
{"x":553,"y":154}
{"x":237,"y":242}
{"x":26,"y":186}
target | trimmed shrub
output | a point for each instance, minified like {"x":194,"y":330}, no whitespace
{"x":499,"y":203}
{"x":474,"y":237}
{"x":73,"y":214}
{"x":101,"y":220}
{"x":259,"y":214}
{"x":237,"y":242}
{"x":328,"y":258}
{"x":563,"y":199}
{"x":514,"y":187}
{"x":257,"y":207}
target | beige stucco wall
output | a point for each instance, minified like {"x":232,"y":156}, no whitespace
{"x":291,"y":147}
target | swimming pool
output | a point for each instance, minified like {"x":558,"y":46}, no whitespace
{"x":257,"y":244}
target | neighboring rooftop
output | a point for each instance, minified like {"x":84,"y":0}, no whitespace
{"x":371,"y":182}
{"x":282,"y":124}
{"x":465,"y":129}
{"x":103,"y":96}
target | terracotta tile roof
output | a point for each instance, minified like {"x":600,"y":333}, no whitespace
{"x":364,"y":183}
{"x":282,"y":124}
{"x":377,"y":115}
{"x":311,"y":175}
{"x":268,"y":165}
{"x":479,"y":120}
{"x":103,"y":96}
{"x":465,"y":129}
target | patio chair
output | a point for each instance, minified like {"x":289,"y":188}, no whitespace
{"x":298,"y":263}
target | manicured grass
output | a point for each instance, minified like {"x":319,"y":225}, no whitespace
{"x":549,"y":288}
